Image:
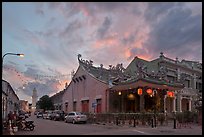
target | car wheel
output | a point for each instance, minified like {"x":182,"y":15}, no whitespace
{"x":31,"y":128}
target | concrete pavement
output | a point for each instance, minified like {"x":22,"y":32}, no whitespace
{"x":192,"y":129}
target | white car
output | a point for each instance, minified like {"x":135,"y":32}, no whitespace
{"x":75,"y":117}
{"x":40,"y":115}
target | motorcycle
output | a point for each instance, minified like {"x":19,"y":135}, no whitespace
{"x":25,"y":124}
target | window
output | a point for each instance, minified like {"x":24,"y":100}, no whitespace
{"x":187,"y":83}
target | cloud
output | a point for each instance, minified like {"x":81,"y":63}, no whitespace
{"x":103,"y":29}
{"x":70,"y":29}
{"x":177,"y":30}
{"x":156,"y":10}
{"x":40,"y":8}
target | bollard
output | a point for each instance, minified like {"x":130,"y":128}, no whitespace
{"x":134,"y":121}
{"x":155,"y":122}
{"x":174,"y":123}
{"x":152,"y":123}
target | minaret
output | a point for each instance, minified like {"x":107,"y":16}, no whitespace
{"x":34,"y":99}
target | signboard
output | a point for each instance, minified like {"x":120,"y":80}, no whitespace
{"x":94,"y":105}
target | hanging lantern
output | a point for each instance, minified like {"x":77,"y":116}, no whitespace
{"x":149,"y":91}
{"x":139,"y":91}
{"x":170,"y":94}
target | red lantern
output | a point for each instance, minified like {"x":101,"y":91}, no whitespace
{"x":170,"y":94}
{"x":149,"y":91}
{"x":139,"y":91}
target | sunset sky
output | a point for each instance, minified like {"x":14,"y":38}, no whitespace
{"x":51,"y":35}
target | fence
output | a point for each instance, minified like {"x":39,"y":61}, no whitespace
{"x":142,"y":119}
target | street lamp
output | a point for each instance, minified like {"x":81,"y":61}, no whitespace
{"x":21,"y":55}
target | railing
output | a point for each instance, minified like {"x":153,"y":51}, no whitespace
{"x":142,"y":119}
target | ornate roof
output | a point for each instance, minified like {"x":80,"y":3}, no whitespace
{"x":118,"y":75}
{"x":101,"y":73}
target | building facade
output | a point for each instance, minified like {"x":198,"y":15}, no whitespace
{"x":57,"y":100}
{"x":24,"y":105}
{"x":162,"y":84}
{"x":10,"y":100}
{"x":4,"y":104}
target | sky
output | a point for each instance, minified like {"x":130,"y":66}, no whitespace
{"x":52,"y":34}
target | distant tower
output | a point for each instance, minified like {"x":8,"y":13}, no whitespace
{"x":34,"y":99}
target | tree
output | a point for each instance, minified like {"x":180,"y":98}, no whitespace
{"x":45,"y":103}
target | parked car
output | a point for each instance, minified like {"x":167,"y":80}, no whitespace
{"x":44,"y":115}
{"x":57,"y":115}
{"x":39,"y":115}
{"x":75,"y":117}
{"x":36,"y":112}
{"x":47,"y":114}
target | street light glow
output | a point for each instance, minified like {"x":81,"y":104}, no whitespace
{"x":21,"y":55}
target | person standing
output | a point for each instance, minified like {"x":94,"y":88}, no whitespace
{"x":10,"y":115}
{"x":15,"y":118}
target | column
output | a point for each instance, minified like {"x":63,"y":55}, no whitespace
{"x":165,"y":103}
{"x":180,"y":104}
{"x":194,"y":81}
{"x":107,"y":100}
{"x":190,"y":100}
{"x":141,"y":103}
{"x":174,"y":104}
{"x":122,"y":105}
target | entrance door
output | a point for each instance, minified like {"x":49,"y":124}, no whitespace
{"x":149,"y":103}
{"x":130,"y":107}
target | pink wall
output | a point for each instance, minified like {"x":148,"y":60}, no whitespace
{"x":90,"y":88}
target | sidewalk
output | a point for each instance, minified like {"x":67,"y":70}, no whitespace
{"x":193,"y":129}
{"x":6,"y":132}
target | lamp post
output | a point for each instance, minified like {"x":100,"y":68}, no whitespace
{"x":120,"y":109}
{"x":21,"y":55}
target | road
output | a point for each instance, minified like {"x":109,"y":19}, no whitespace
{"x":49,"y":127}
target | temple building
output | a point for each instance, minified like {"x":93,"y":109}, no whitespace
{"x":159,"y":85}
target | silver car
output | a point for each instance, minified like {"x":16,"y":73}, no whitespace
{"x":75,"y":117}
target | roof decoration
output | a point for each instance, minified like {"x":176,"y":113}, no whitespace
{"x":115,"y":75}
